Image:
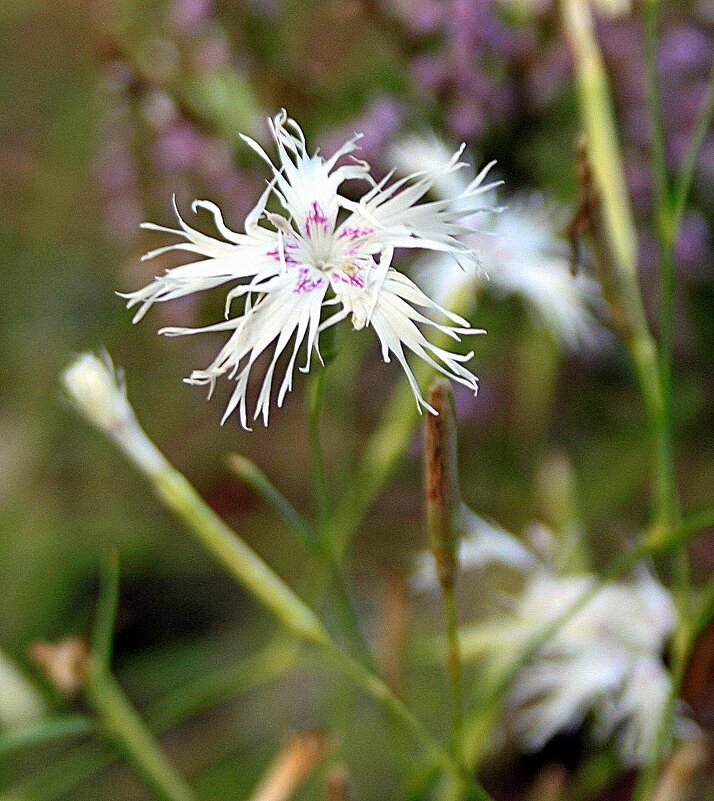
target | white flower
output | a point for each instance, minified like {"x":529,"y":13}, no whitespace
{"x":483,"y":544}
{"x":520,"y":253}
{"x":289,"y":265}
{"x":605,"y":660}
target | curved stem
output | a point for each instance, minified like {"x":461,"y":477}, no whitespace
{"x":180,"y":497}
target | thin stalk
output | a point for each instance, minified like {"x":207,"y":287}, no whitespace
{"x":454,"y":670}
{"x":249,"y":472}
{"x":615,"y":238}
{"x":180,"y":497}
{"x":46,"y":731}
{"x":685,"y":178}
{"x":318,"y":473}
{"x":125,"y":728}
{"x":349,"y":621}
{"x":108,"y":603}
{"x":596,"y":109}
{"x":666,"y":237}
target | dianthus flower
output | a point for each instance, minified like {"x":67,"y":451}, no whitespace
{"x":322,"y":249}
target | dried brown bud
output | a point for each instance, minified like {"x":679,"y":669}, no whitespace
{"x":443,"y":501}
{"x":292,"y":766}
{"x":678,"y":774}
{"x":589,"y":223}
{"x":338,"y":784}
{"x":64,"y":663}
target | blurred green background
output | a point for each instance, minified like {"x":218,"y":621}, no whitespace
{"x":107,"y":108}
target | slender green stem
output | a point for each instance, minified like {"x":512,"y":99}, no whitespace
{"x":267,"y":664}
{"x":453,"y":662}
{"x":266,"y":586}
{"x":618,"y":272}
{"x":318,"y":473}
{"x":62,"y":777}
{"x":103,"y":635}
{"x":666,"y":235}
{"x":125,"y":728}
{"x":45,"y":731}
{"x":255,"y":478}
{"x":685,"y":178}
{"x":342,"y":602}
{"x":596,"y":109}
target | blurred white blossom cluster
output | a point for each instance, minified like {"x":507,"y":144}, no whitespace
{"x":520,"y":253}
{"x":603,"y":667}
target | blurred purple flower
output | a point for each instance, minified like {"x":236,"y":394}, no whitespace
{"x":693,"y":250}
{"x":188,"y":15}
{"x":378,"y":123}
{"x":683,"y":50}
{"x":178,"y":148}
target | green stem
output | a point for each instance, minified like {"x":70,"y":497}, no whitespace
{"x":249,"y":472}
{"x":453,"y":662}
{"x":254,"y":574}
{"x":342,"y":602}
{"x":318,"y":473}
{"x":45,"y":731}
{"x":108,"y":603}
{"x":596,"y":109}
{"x":122,"y":724}
{"x":666,"y":237}
{"x":683,"y":182}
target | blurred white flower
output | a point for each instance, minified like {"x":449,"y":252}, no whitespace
{"x":602,"y":661}
{"x":520,"y":252}
{"x":483,"y":544}
{"x":307,"y":258}
{"x":20,"y":701}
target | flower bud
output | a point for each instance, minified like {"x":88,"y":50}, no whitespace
{"x":443,"y":501}
{"x":97,"y":390}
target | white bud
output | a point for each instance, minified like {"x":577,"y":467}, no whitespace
{"x":97,"y":390}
